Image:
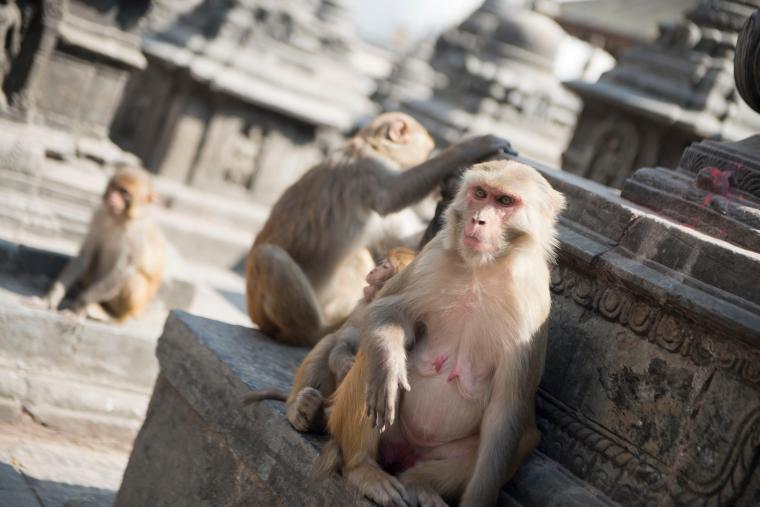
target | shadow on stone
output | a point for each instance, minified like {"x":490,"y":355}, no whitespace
{"x":19,"y":490}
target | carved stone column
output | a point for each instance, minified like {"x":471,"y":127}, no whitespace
{"x":662,"y":96}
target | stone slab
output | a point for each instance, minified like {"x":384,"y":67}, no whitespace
{"x":42,"y":468}
{"x":215,"y":451}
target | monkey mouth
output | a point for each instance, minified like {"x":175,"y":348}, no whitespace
{"x":474,"y":242}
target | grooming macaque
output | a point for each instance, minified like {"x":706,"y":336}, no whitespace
{"x":304,"y":271}
{"x":121,"y":262}
{"x":327,"y":363}
{"x":441,"y":393}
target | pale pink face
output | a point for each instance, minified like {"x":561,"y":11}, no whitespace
{"x":380,"y":273}
{"x":487,"y":211}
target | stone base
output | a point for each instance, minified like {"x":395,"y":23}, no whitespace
{"x":199,"y":445}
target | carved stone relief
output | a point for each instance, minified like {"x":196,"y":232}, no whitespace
{"x":659,"y":408}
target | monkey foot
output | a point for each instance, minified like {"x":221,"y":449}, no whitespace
{"x":307,"y":413}
{"x":378,"y":486}
{"x":424,"y":496}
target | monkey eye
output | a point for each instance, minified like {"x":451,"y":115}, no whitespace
{"x":506,"y":200}
{"x":123,"y":192}
{"x":480,"y":193}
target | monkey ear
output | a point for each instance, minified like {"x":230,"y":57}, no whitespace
{"x":398,"y":132}
{"x":558,"y":201}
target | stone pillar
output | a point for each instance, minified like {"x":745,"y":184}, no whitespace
{"x":662,"y":96}
{"x":24,"y":64}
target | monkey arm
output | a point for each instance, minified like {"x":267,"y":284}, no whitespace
{"x":343,"y":352}
{"x":387,"y":334}
{"x":72,"y":272}
{"x":108,"y":286}
{"x":402,"y":189}
{"x":504,"y":421}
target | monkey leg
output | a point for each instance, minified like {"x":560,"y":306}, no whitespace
{"x":358,"y":441}
{"x":444,"y":471}
{"x":312,"y":385}
{"x":346,"y":286}
{"x":306,"y":411}
{"x":376,"y":484}
{"x":280,"y":298}
{"x":441,"y":472}
{"x":132,"y":298}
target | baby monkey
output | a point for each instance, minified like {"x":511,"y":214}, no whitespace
{"x":121,"y":261}
{"x":328,"y":362}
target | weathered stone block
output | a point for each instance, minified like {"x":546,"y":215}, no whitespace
{"x":199,"y":445}
{"x":651,"y":390}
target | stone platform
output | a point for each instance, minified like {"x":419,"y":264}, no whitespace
{"x":200,"y":445}
{"x":87,"y":378}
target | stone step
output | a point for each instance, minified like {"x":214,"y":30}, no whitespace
{"x":43,"y":467}
{"x":90,"y":378}
{"x":198,"y":235}
{"x":199,"y":443}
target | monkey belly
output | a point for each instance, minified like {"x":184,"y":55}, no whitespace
{"x":434,"y":412}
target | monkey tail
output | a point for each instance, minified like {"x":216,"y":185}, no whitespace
{"x":330,"y":461}
{"x":263,"y":394}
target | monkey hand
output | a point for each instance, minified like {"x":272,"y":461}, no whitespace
{"x":480,"y":148}
{"x":343,"y":368}
{"x":384,"y":377}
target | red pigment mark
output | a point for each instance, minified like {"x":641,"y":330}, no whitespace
{"x":708,"y":199}
{"x":454,"y":374}
{"x":438,"y":363}
{"x":719,"y":180}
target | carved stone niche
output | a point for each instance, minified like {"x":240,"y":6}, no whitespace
{"x":716,"y":186}
{"x":662,"y":96}
{"x":651,"y":390}
{"x":28,"y":34}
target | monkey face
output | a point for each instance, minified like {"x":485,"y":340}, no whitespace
{"x":381,"y":273}
{"x":117,"y":199}
{"x":498,"y":204}
{"x":486,"y":220}
{"x":127,"y":192}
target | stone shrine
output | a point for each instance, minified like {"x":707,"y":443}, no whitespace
{"x":56,"y":68}
{"x":662,"y":96}
{"x":243,"y":96}
{"x":492,"y":73}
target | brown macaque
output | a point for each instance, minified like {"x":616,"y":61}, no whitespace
{"x":440,"y":401}
{"x":121,"y":262}
{"x":323,"y":369}
{"x":304,"y":271}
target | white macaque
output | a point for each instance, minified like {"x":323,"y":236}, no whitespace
{"x":442,"y":391}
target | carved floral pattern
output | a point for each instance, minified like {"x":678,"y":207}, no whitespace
{"x":621,"y":470}
{"x":632,"y":477}
{"x":658,"y":325}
